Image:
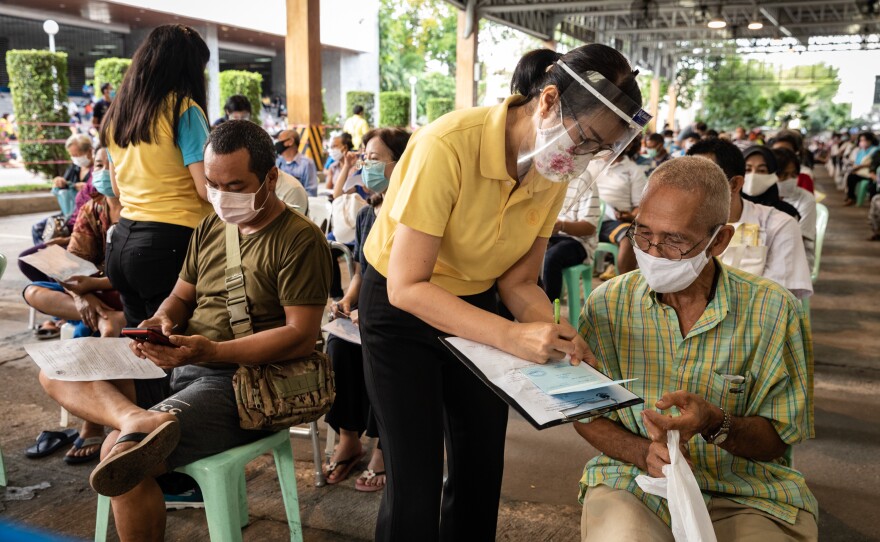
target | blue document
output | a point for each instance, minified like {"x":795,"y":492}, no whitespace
{"x":561,"y":377}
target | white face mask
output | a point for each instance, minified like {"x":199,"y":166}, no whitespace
{"x":335,"y":154}
{"x":554,"y":157}
{"x":233,"y":207}
{"x":668,"y":276}
{"x":758,"y":183}
{"x":787,"y":188}
{"x":81,"y":161}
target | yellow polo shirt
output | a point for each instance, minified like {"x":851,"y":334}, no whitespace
{"x":154,"y":182}
{"x":452,"y":182}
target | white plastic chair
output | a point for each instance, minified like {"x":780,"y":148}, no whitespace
{"x":320,"y":211}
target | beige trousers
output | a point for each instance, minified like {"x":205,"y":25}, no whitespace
{"x":612,"y":515}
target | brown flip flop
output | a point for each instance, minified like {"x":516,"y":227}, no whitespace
{"x":122,"y":472}
{"x":342,"y":468}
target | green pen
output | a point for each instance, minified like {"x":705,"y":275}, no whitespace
{"x":556,"y":310}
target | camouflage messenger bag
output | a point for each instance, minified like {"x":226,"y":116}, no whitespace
{"x":279,"y":395}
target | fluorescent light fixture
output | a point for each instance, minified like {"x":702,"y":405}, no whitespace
{"x":716,"y":23}
{"x":756,"y":25}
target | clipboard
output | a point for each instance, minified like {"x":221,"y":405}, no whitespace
{"x":540,"y":409}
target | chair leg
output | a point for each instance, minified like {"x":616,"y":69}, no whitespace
{"x":286,"y":470}
{"x":573,"y":290}
{"x":315,"y":434}
{"x":102,"y":517}
{"x":3,"y":480}
{"x":223,"y":504}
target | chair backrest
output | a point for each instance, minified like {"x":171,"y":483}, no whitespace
{"x":320,"y":211}
{"x":821,"y":225}
{"x":2,"y":265}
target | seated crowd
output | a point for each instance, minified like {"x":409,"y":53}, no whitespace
{"x":715,"y":240}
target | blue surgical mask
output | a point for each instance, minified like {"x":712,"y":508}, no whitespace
{"x":101,"y":182}
{"x":373,"y":174}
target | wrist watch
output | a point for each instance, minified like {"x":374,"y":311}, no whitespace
{"x":721,"y":435}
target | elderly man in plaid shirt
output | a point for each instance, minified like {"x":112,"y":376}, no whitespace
{"x":721,"y":355}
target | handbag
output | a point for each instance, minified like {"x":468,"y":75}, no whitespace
{"x":279,"y":395}
{"x":344,"y":217}
{"x":56,"y":226}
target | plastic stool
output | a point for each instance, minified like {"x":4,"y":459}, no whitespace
{"x":221,"y":479}
{"x":573,"y":277}
{"x":862,"y":192}
{"x":601,"y":250}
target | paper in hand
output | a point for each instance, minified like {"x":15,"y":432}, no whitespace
{"x":60,"y":264}
{"x":90,"y":359}
{"x":345,"y":329}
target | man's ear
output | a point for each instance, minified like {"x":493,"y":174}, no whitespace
{"x":725,"y":234}
{"x":272,"y":179}
{"x":736,"y":184}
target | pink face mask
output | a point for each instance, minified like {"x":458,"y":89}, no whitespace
{"x":234,"y":207}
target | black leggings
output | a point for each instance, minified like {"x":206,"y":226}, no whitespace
{"x":853,"y":180}
{"x":351,"y":408}
{"x":143,"y":262}
{"x":420,"y":394}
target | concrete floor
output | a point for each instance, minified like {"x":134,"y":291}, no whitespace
{"x":541,"y":468}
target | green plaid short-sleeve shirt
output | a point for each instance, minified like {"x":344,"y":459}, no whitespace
{"x":752,"y":328}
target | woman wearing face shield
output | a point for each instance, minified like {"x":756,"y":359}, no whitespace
{"x":470,"y":207}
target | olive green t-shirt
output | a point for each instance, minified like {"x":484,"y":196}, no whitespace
{"x":286,"y":263}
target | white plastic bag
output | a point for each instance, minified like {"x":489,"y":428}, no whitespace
{"x":690,"y":517}
{"x":345,"y":211}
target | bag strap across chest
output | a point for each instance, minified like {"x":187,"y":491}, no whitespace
{"x":236,"y":301}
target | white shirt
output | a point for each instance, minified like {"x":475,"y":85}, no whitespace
{"x":291,"y":192}
{"x":786,"y":259}
{"x":582,"y":204}
{"x":621,"y":186}
{"x":805,"y":203}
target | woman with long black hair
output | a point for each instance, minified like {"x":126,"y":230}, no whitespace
{"x":155,"y":132}
{"x":471,"y":205}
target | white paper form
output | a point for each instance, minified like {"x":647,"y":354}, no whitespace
{"x":345,"y":329}
{"x":505,"y":371}
{"x":91,"y":358}
{"x":59,"y":264}
{"x":559,"y":377}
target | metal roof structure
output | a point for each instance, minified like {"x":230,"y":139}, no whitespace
{"x":655,"y":33}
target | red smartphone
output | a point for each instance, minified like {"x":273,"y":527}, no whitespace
{"x":147,"y":335}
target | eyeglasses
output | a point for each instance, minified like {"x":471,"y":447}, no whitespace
{"x":669,"y":251}
{"x":362,"y":163}
{"x":587,"y":145}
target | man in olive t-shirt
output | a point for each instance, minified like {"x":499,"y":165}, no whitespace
{"x":166,"y":424}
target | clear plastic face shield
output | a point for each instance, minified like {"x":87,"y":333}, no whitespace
{"x":592,"y":125}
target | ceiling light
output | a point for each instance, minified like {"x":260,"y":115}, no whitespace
{"x":716,"y":22}
{"x":756,"y":25}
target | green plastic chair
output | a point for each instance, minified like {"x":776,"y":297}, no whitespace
{"x":605,"y":248}
{"x":821,"y":226}
{"x":862,"y":192}
{"x":579,"y":274}
{"x":221,"y":479}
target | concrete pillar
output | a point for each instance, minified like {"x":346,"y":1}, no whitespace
{"x":215,"y":108}
{"x":654,"y":102}
{"x":673,"y":104}
{"x":466,"y":59}
{"x":302,"y":53}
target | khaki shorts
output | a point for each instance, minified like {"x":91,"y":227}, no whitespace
{"x":612,"y":515}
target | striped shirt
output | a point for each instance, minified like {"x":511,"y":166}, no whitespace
{"x":582,"y":204}
{"x":752,"y":328}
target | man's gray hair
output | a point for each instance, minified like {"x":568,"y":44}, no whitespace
{"x":696,"y":174}
{"x":82,"y":141}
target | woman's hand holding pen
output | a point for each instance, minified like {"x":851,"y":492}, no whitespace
{"x":541,"y":342}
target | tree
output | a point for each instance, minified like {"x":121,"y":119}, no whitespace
{"x":736,"y":92}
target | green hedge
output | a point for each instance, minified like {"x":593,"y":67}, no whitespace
{"x":36,"y":98}
{"x":110,"y":70}
{"x":394,"y":108}
{"x":363,"y":98}
{"x":248,"y":84}
{"x":437,"y":107}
